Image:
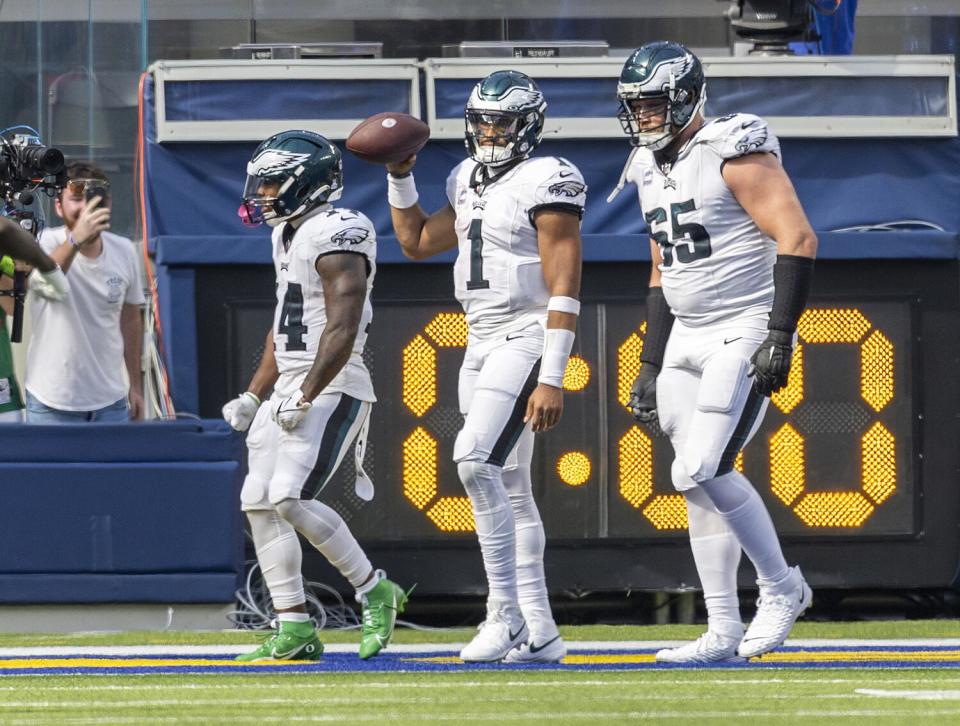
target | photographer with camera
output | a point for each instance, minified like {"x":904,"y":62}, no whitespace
{"x":79,"y":347}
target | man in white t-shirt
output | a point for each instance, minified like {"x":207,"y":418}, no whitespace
{"x":80,"y":346}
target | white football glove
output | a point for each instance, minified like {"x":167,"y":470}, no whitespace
{"x":289,"y":412}
{"x":52,"y":285}
{"x":240,"y":411}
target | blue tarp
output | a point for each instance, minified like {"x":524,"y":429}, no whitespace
{"x":292,"y":99}
{"x":194,"y":189}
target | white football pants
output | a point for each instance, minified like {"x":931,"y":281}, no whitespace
{"x":708,"y":408}
{"x":287,"y":469}
{"x":493,"y":452}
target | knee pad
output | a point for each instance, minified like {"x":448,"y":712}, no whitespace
{"x":696,"y":467}
{"x":253,"y":494}
{"x":464,"y":446}
{"x":682,"y":481}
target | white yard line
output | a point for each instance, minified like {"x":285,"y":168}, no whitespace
{"x":530,"y":716}
{"x":388,"y":699}
{"x":456,"y":683}
{"x":917,"y":695}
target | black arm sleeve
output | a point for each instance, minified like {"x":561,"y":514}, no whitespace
{"x":792,"y":275}
{"x":659,"y":325}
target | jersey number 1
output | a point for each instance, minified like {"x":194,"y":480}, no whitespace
{"x":291,"y":318}
{"x":476,"y":281}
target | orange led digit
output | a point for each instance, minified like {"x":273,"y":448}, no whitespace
{"x":419,"y":381}
{"x":878,"y":462}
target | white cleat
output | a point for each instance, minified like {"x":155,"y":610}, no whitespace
{"x":544,"y":650}
{"x":711,"y":647}
{"x":502,"y":631}
{"x":777,"y":611}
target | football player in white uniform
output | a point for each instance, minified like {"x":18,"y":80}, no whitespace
{"x":325,"y":261}
{"x":516,"y":223}
{"x":733,"y":258}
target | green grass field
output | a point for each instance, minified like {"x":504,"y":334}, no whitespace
{"x":779,"y":695}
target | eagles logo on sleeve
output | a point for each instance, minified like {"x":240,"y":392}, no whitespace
{"x":569,"y":188}
{"x":350,"y":236}
{"x":754,"y":136}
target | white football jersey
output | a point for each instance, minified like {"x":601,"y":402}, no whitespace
{"x":301,"y":314}
{"x":716,"y":261}
{"x":498,"y":277}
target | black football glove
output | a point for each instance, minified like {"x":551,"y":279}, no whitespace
{"x":770,"y":363}
{"x":643,"y":395}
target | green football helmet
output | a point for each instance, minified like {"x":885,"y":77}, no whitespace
{"x":667,"y":71}
{"x":504,"y":118}
{"x":290,"y":174}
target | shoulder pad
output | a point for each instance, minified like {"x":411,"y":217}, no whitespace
{"x":338,"y":228}
{"x":555,"y":181}
{"x":738,"y":134}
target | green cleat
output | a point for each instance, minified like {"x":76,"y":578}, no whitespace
{"x":264,"y":652}
{"x":380,"y":608}
{"x":294,"y":641}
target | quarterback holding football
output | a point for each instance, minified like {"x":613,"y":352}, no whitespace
{"x":515,"y":221}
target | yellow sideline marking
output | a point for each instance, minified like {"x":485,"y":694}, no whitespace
{"x":803,"y":656}
{"x":606,"y":658}
{"x":830,"y":656}
{"x":13,"y":663}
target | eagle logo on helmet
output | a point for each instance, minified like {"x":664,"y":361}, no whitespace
{"x":290,"y":174}
{"x":566,"y":189}
{"x":273,"y":161}
{"x":350,"y":236}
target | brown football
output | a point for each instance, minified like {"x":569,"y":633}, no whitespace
{"x":388,"y":138}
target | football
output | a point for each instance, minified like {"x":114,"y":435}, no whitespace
{"x":388,"y":138}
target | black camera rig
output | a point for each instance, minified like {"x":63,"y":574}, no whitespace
{"x":27,"y":168}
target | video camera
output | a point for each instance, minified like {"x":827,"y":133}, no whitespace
{"x":27,"y":167}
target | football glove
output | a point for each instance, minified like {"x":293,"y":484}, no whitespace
{"x":240,"y":411}
{"x":52,"y":285}
{"x":770,"y":363}
{"x":643,"y":395}
{"x":289,"y":412}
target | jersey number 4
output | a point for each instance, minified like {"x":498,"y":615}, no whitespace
{"x":291,"y":318}
{"x":689,"y":241}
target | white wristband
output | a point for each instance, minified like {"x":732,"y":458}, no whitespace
{"x":401,"y":193}
{"x":557,"y":345}
{"x":564,"y":304}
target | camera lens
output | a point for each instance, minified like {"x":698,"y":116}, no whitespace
{"x":43,"y":158}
